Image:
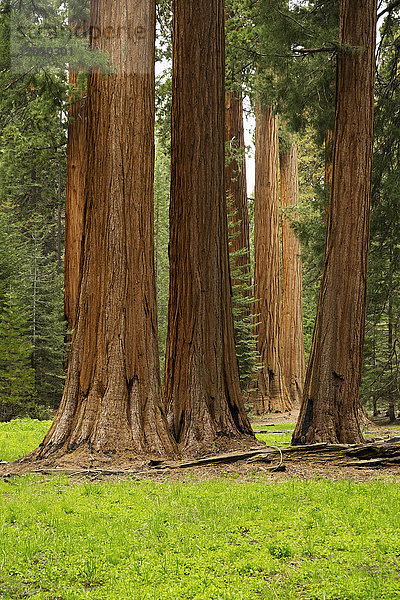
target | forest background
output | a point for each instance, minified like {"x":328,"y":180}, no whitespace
{"x":284,"y":54}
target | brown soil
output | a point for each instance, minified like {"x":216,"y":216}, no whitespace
{"x":82,"y":464}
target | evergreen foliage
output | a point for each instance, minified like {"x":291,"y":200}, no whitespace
{"x":243,"y":315}
{"x":32,"y":188}
{"x":17,"y":385}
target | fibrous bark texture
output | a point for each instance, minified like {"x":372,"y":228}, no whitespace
{"x":201,"y":379}
{"x":292,"y":338}
{"x":272,"y":394}
{"x":328,"y":171}
{"x":329,"y":409}
{"x":235,"y":180}
{"x":111,"y":400}
{"x":74,"y":202}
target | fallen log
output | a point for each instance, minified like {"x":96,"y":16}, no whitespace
{"x":219,"y":458}
{"x":272,"y":432}
{"x":374,"y":462}
{"x":375,"y":450}
{"x":374,"y":454}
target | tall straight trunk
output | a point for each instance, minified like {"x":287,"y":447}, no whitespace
{"x":112,"y":400}
{"x":272,"y":394}
{"x":328,"y":171}
{"x":328,"y":163}
{"x":201,"y":378}
{"x":235,"y":180}
{"x":391,"y":349}
{"x":74,"y":202}
{"x":329,"y":411}
{"x":292,"y":337}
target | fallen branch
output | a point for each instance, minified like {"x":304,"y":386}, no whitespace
{"x":219,"y":458}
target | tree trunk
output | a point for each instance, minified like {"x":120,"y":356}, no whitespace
{"x":329,"y":409}
{"x":391,"y":390}
{"x":74,"y":203}
{"x":292,"y":338}
{"x":328,"y":171}
{"x":272,"y":395}
{"x":111,"y":401}
{"x":201,"y":382}
{"x":235,"y":179}
{"x":374,"y":395}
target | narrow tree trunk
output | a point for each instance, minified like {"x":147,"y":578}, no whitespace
{"x":374,"y":395}
{"x":272,"y":395}
{"x":59,"y":221}
{"x":74,"y":203}
{"x":329,"y":411}
{"x":235,"y":179}
{"x":292,"y":338}
{"x":201,"y":382}
{"x":391,"y":409}
{"x":112,"y":400}
{"x":328,"y":171}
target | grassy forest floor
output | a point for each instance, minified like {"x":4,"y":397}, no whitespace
{"x":227,"y":532}
{"x":215,"y":534}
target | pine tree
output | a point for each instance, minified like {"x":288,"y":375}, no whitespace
{"x":17,"y":378}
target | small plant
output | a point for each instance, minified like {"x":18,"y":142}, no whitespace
{"x":279,"y":550}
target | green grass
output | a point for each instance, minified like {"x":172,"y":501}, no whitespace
{"x":20,"y":436}
{"x":69,"y":539}
{"x":276,"y":439}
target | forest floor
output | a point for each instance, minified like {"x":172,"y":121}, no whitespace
{"x":274,"y":462}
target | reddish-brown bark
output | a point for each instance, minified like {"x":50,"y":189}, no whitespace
{"x":201,"y":378}
{"x":235,"y":180}
{"x":272,"y":394}
{"x":329,"y":409}
{"x":328,"y":170}
{"x":292,"y":338}
{"x":112,"y":400}
{"x":74,"y":202}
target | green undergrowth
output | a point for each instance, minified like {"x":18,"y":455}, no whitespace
{"x":69,"y":539}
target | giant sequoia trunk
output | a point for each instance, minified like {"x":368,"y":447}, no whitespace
{"x":328,"y":171}
{"x":272,"y":394}
{"x":74,"y":203}
{"x":329,"y":411}
{"x":292,"y":338}
{"x":201,"y":378}
{"x":111,"y":400}
{"x":235,"y":180}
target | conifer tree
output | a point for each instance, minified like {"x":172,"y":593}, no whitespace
{"x":17,"y":378}
{"x":236,"y":185}
{"x":292,"y":338}
{"x":75,"y":199}
{"x":201,"y":379}
{"x":112,"y":397}
{"x":272,"y":394}
{"x":329,"y":411}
